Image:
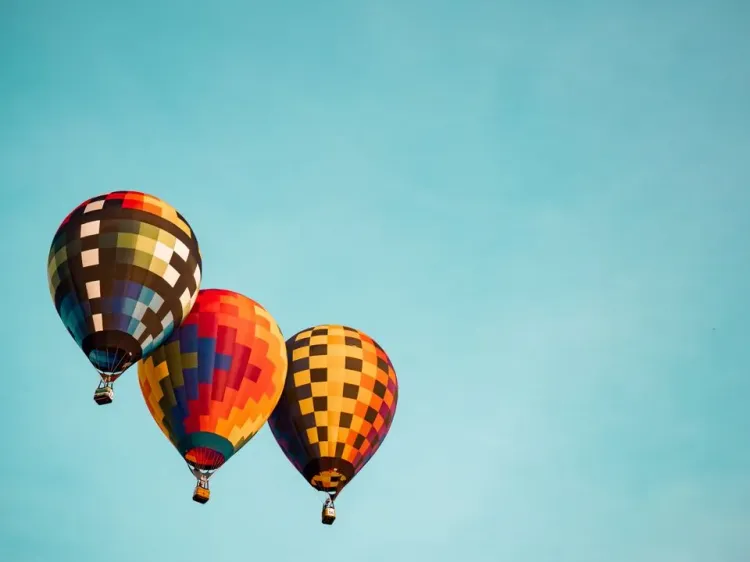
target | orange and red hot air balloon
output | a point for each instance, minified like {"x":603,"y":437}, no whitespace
{"x":214,"y":382}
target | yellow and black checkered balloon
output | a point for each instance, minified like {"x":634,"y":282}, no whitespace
{"x":337,"y":406}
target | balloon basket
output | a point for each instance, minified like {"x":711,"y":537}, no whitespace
{"x":329,"y":515}
{"x":201,"y":494}
{"x":104,"y":395}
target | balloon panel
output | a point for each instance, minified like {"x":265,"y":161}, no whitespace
{"x":338,"y":404}
{"x":215,"y":381}
{"x":124,"y":269}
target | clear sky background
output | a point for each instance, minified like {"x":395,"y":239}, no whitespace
{"x":540,"y":209}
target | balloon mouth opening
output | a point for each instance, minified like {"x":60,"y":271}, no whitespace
{"x":111,"y":361}
{"x":329,"y":481}
{"x":111,"y":352}
{"x":329,"y":474}
{"x":204,"y":458}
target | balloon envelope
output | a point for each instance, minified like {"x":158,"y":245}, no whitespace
{"x":214,"y":382}
{"x":337,"y":406}
{"x":124,"y":270}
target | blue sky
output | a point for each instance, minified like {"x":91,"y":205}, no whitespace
{"x":540,"y":209}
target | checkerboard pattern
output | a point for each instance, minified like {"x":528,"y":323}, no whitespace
{"x":338,"y":404}
{"x":214,"y":382}
{"x":124,"y":269}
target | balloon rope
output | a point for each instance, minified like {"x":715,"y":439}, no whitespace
{"x":214,"y":461}
{"x":113,"y":369}
{"x":119,"y":362}
{"x":106,"y":350}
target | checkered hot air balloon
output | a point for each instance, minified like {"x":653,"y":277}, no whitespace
{"x":124,"y":269}
{"x":213,"y":383}
{"x":337,"y":406}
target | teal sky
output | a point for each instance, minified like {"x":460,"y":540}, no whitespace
{"x":540,"y":209}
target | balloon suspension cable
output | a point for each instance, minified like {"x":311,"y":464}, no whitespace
{"x":116,"y":369}
{"x":328,"y":516}
{"x":202,"y":492}
{"x":202,"y":475}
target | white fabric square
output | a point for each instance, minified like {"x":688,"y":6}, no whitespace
{"x":94,"y":206}
{"x":98,"y":322}
{"x":181,"y":250}
{"x":171,"y":275}
{"x":89,"y":229}
{"x":163,"y":252}
{"x":156,"y":302}
{"x":139,"y":331}
{"x":93,"y":289}
{"x":139,"y":310}
{"x":90,"y":257}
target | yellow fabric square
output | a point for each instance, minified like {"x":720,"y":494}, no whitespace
{"x":301,"y":378}
{"x":312,"y":435}
{"x":306,"y":406}
{"x":300,"y":353}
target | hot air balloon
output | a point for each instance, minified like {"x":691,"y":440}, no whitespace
{"x":337,"y":406}
{"x":212,"y":385}
{"x":124,"y":270}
